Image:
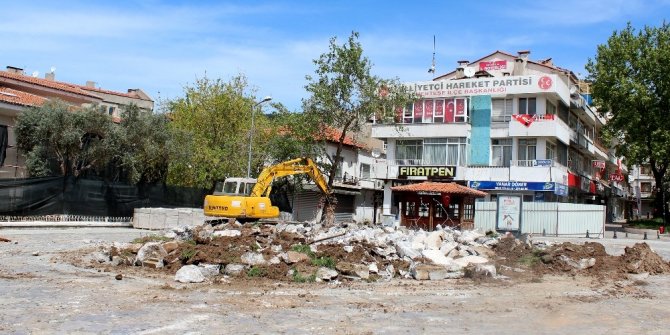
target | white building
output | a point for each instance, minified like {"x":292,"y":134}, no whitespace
{"x":503,"y":124}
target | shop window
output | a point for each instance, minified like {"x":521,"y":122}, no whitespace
{"x":424,"y":209}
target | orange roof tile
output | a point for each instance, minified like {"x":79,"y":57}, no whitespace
{"x":447,"y":188}
{"x":15,"y":97}
{"x":97,"y":89}
{"x":46,"y":83}
{"x":332,"y":134}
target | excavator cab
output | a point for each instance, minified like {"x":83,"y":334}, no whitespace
{"x":235,"y":186}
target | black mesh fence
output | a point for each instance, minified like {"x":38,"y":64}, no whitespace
{"x":66,"y":195}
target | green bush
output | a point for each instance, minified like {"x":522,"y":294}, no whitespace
{"x":256,"y":272}
{"x":187,"y":254}
{"x":298,"y":278}
{"x":304,"y":249}
{"x":326,"y":261}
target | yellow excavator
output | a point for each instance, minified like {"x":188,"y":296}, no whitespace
{"x":247,"y":199}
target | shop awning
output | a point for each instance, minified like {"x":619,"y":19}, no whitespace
{"x":442,"y":188}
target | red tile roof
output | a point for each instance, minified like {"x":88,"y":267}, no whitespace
{"x":121,"y":94}
{"x":542,"y":63}
{"x":446,"y":188}
{"x":21,"y":98}
{"x":333,"y":135}
{"x":47,"y":83}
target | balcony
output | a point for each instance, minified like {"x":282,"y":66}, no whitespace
{"x":540,"y":126}
{"x":420,"y":130}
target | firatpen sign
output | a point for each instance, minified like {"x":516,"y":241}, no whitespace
{"x":431,"y":172}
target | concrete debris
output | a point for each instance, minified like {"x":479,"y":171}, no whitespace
{"x":326,"y":274}
{"x":582,"y":264}
{"x":150,"y":250}
{"x":227,"y":232}
{"x":209,"y":270}
{"x":291,"y":257}
{"x":189,"y":274}
{"x":342,"y":251}
{"x":234,"y":270}
{"x":253,"y":258}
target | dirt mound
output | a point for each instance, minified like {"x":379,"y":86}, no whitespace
{"x":640,"y":258}
{"x":589,"y":259}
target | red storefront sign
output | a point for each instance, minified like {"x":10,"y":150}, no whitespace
{"x":573,"y":180}
{"x":616,"y":177}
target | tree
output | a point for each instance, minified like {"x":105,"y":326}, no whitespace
{"x":144,"y":145}
{"x":216,"y":117}
{"x":631,"y":87}
{"x":60,"y":141}
{"x":345,"y":95}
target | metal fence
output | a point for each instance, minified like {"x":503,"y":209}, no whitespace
{"x":550,"y":218}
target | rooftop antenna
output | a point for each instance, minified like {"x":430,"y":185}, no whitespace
{"x":432,"y":66}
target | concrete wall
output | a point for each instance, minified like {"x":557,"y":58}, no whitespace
{"x":167,"y":218}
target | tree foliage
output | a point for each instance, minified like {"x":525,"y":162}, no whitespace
{"x":216,"y":117}
{"x":144,"y":145}
{"x":631,"y":87}
{"x":60,"y":141}
{"x":345,"y":95}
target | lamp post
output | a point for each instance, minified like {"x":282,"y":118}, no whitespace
{"x":251,"y":132}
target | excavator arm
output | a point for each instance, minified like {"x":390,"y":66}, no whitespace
{"x":292,"y":167}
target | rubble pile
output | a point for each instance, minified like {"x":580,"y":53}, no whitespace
{"x":311,"y":252}
{"x":303,"y":252}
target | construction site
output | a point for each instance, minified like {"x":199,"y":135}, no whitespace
{"x":305,"y":278}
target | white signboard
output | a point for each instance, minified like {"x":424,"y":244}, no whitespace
{"x":488,"y":86}
{"x":509,"y":213}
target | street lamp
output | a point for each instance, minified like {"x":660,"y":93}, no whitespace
{"x":251,"y":132}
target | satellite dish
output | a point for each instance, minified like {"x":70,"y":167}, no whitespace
{"x":53,"y":69}
{"x":35,"y":74}
{"x":376,"y":153}
{"x":574,"y":90}
{"x":469,"y":72}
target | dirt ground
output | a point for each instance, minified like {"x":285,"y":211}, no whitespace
{"x":50,"y":285}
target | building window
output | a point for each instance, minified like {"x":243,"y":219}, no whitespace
{"x":445,"y":151}
{"x":385,"y":145}
{"x":110,"y":110}
{"x":645,"y":187}
{"x":409,"y":152}
{"x":645,"y":170}
{"x":527,"y":149}
{"x":501,"y":152}
{"x":365,"y":171}
{"x":550,"y":153}
{"x":501,"y":110}
{"x":550,"y":108}
{"x":527,"y":106}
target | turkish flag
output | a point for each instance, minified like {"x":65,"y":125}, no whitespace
{"x":525,"y":119}
{"x":449,"y":111}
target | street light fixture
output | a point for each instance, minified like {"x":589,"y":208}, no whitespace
{"x":251,"y":132}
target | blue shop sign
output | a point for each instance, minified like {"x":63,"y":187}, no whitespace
{"x":557,"y":188}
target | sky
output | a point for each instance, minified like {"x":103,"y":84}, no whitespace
{"x":164,"y":46}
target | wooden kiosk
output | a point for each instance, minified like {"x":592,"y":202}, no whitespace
{"x":428,"y":204}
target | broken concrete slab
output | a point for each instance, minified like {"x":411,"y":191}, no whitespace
{"x":326,"y":274}
{"x":209,"y":270}
{"x":227,"y":233}
{"x":189,"y":274}
{"x":153,"y":250}
{"x":234,"y":270}
{"x":352,"y":269}
{"x":467,"y":260}
{"x":428,"y":272}
{"x":253,"y":258}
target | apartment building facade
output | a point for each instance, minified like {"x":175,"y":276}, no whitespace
{"x":503,"y":124}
